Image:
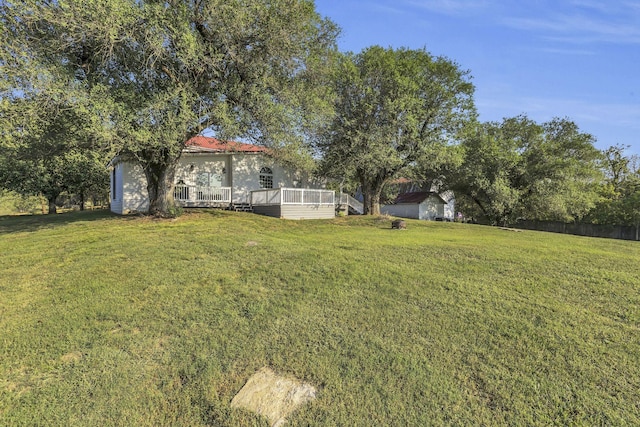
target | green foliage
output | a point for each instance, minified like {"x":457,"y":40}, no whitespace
{"x":12,"y":203}
{"x":620,"y":194}
{"x":168,"y":71}
{"x":110,"y":321}
{"x":50,"y":148}
{"x":519,"y":169}
{"x":394,"y":108}
{"x":175,"y":211}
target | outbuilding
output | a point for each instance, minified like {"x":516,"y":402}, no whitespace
{"x":422,"y":205}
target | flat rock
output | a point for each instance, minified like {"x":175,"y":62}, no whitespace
{"x":273,"y":396}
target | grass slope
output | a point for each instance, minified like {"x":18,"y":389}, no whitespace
{"x":131,"y":321}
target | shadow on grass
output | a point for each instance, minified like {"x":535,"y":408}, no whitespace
{"x":27,"y":223}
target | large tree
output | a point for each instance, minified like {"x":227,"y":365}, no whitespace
{"x":394,"y":108}
{"x":166,"y":71}
{"x":519,"y":169}
{"x":47,"y":147}
{"x":620,"y":202}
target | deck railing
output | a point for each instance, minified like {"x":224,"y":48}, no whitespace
{"x":352,"y":202}
{"x":292,"y":196}
{"x":193,"y":194}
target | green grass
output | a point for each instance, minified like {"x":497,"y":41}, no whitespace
{"x":107,"y":321}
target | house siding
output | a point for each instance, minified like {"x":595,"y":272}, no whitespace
{"x":450,"y":209}
{"x":431,"y":208}
{"x":297,"y":211}
{"x":189,"y":166}
{"x":239,"y":171}
{"x":246,"y":175}
{"x":308,"y":211}
{"x":268,"y":210}
{"x":134,"y":193}
{"x":402,"y":210}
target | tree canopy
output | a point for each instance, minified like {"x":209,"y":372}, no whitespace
{"x":620,"y":193}
{"x":392,"y":108}
{"x":162,"y":72}
{"x":519,"y":169}
{"x":48,"y":147}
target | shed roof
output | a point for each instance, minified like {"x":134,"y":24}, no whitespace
{"x":213,"y":145}
{"x":416,"y":197}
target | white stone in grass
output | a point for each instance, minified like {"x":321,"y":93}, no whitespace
{"x":273,"y":396}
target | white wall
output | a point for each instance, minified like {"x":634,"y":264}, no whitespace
{"x":190,"y":165}
{"x":130,"y":189}
{"x":450,"y":210}
{"x":134,"y":193}
{"x":402,"y":210}
{"x":431,"y":208}
{"x":241,"y":173}
{"x":246,"y":175}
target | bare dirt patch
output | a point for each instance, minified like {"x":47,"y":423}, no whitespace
{"x":72,"y":357}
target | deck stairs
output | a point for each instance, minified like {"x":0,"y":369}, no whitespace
{"x":241,"y":207}
{"x":354,"y":206}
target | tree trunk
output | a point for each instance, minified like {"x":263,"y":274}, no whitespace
{"x":43,"y":204}
{"x":160,"y":183}
{"x":52,"y":204}
{"x":366,"y":201}
{"x":82,"y":200}
{"x":485,"y":212}
{"x":371,"y":193}
{"x":375,"y":202}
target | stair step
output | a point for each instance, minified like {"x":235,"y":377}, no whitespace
{"x":242,"y":207}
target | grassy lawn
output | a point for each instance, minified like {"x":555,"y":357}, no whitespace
{"x":108,"y":321}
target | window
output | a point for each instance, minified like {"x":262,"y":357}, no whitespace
{"x":113,"y":186}
{"x":208,"y":179}
{"x":266,"y":178}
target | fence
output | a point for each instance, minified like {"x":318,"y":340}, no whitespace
{"x":622,"y":232}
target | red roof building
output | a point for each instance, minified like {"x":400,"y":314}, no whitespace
{"x":205,"y":144}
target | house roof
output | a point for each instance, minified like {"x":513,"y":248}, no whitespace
{"x":205,"y":144}
{"x":401,"y":180}
{"x":416,"y":197}
{"x":200,"y":143}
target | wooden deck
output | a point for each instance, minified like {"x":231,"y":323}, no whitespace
{"x":294,"y":203}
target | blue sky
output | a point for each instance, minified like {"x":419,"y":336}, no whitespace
{"x":566,"y":58}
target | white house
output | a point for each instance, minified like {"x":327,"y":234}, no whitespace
{"x":214,"y":173}
{"x":422,"y":205}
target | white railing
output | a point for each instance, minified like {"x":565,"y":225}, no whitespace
{"x":265,"y":197}
{"x":193,"y":194}
{"x":292,"y":196}
{"x":355,"y":204}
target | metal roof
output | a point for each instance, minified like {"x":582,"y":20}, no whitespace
{"x":207,"y":144}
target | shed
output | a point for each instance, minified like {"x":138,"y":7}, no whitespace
{"x":420,"y":205}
